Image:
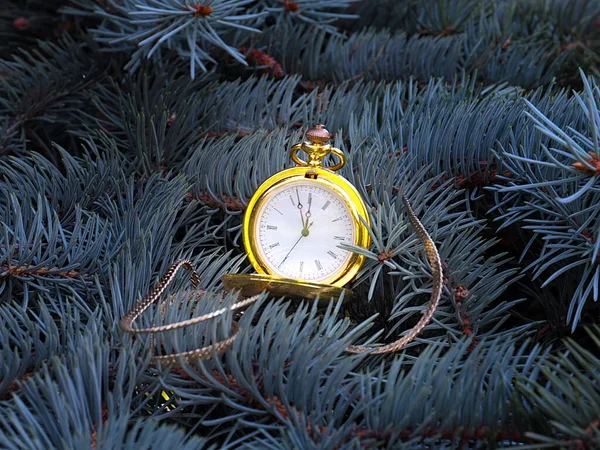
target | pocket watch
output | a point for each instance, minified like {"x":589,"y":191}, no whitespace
{"x":295,"y":223}
{"x":292,"y":231}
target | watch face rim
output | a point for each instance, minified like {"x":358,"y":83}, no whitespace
{"x":346,"y":192}
{"x":277,"y":189}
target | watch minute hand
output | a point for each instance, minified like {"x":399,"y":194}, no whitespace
{"x":299,"y":206}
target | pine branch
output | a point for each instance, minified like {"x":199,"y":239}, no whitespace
{"x":316,"y":13}
{"x":22,"y":24}
{"x":36,"y":113}
{"x":37,"y":250}
{"x":254,"y":384}
{"x":102,"y":421}
{"x":563,"y":197}
{"x":194,"y":30}
{"x":25,"y":345}
{"x":568,"y":395}
{"x":155,"y":119}
{"x":105,"y":181}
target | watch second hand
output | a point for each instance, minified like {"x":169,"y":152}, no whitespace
{"x":304,"y":234}
{"x":288,"y":253}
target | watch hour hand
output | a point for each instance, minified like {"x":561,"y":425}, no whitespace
{"x":308,"y":212}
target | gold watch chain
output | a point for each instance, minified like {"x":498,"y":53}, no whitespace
{"x":218,"y":348}
{"x":436,"y":292}
{"x":154,"y":296}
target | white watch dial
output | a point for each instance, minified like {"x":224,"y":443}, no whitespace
{"x":299,"y":227}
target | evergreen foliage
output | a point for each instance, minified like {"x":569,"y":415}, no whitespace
{"x":133,"y":133}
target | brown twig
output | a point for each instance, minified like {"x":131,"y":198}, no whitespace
{"x":450,"y":30}
{"x":232,"y":203}
{"x":593,"y":160}
{"x":461,"y":293}
{"x":476,"y":434}
{"x":14,"y":386}
{"x":94,"y":431}
{"x":280,"y":411}
{"x":373,"y":62}
{"x":257,"y":57}
{"x":7,"y":270}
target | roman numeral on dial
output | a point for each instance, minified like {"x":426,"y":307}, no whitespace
{"x":318,"y":264}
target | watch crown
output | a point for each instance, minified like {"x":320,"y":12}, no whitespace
{"x":318,"y":134}
{"x":316,"y":146}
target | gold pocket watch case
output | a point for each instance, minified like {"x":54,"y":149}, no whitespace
{"x":294,"y":225}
